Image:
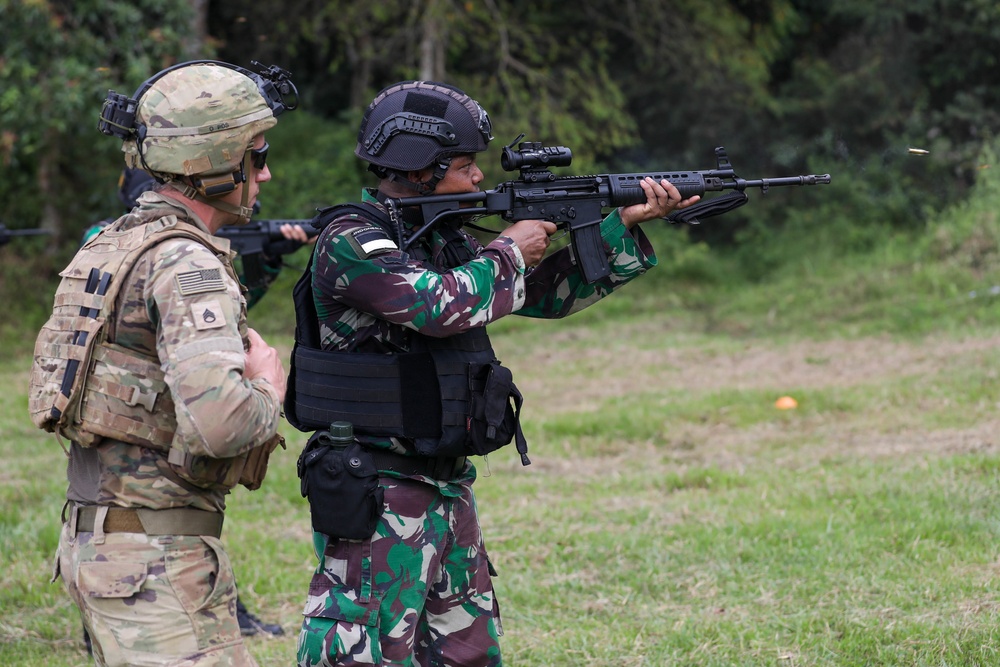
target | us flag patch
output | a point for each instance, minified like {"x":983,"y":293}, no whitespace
{"x":369,"y":241}
{"x":197,"y":282}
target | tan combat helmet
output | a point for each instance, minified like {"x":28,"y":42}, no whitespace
{"x":193,"y":125}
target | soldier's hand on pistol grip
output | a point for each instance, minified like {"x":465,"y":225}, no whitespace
{"x":532,"y":238}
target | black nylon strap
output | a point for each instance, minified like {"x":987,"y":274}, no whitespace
{"x":360,"y":365}
{"x":709,"y":208}
{"x":442,"y":468}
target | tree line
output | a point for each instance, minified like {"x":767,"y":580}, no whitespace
{"x":788,"y":86}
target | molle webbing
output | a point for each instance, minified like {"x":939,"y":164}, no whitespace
{"x":83,"y":386}
{"x":368,"y":390}
{"x":126,"y":398}
{"x":411,"y":395}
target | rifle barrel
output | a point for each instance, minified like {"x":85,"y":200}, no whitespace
{"x":7,"y":234}
{"x":810,"y":179}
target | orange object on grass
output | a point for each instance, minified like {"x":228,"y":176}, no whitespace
{"x":786,"y":403}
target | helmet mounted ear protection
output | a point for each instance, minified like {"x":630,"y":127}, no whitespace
{"x":199,"y":140}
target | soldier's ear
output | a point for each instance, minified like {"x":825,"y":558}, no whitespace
{"x":421,"y":176}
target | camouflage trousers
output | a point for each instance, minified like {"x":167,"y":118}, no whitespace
{"x":417,"y":593}
{"x":163,"y":600}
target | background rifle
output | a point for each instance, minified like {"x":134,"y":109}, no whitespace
{"x":260,"y":243}
{"x":259,"y":235}
{"x":7,"y":234}
{"x":577,"y":203}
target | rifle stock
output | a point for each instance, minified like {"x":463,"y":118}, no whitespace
{"x":577,"y":203}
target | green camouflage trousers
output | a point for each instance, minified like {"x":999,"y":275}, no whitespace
{"x":417,"y":593}
{"x":164,"y":600}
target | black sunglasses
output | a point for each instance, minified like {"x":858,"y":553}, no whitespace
{"x":259,"y":156}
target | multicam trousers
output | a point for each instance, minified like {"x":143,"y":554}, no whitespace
{"x":164,"y":600}
{"x":417,"y":593}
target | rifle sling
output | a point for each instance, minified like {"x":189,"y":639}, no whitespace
{"x":709,"y":208}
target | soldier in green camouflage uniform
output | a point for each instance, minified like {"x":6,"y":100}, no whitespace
{"x":150,"y":468}
{"x":418,"y":591}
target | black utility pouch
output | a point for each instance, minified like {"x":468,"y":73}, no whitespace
{"x":341,"y":483}
{"x":495,"y":410}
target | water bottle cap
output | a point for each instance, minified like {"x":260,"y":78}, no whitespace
{"x":342,"y":431}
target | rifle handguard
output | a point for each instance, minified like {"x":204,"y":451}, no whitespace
{"x":709,"y":208}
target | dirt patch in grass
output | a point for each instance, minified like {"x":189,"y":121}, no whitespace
{"x":570,"y":373}
{"x":575,"y":378}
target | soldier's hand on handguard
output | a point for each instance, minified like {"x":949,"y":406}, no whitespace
{"x":296,"y":233}
{"x":661,"y":199}
{"x":262,"y":361}
{"x":532,"y":238}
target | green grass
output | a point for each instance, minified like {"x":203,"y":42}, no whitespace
{"x":671,"y":514}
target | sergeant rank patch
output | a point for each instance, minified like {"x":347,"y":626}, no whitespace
{"x":199,"y":281}
{"x":208,"y":315}
{"x":369,"y":241}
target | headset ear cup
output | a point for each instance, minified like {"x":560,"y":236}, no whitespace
{"x":215,"y":186}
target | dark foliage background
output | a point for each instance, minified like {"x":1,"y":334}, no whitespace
{"x":788,"y":86}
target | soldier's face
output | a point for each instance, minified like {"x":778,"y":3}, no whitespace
{"x":255,"y":177}
{"x":463,"y":175}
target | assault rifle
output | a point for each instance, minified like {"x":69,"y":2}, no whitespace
{"x":7,"y":234}
{"x":260,"y":241}
{"x":576,"y":203}
{"x":258,"y":235}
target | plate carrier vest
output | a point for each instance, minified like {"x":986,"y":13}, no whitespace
{"x":449,"y":396}
{"x":84,"y":387}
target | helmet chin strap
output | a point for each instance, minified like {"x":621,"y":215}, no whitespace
{"x":243,"y":211}
{"x":428,"y":186}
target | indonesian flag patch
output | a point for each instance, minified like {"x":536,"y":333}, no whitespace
{"x":368,"y":241}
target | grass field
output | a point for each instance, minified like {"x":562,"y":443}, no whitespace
{"x":671,"y":515}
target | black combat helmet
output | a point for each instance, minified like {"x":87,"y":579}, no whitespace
{"x":131,"y":184}
{"x":413,"y":125}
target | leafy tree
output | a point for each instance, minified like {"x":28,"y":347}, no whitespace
{"x":57,"y":62}
{"x":518,"y":58}
{"x":696,"y":75}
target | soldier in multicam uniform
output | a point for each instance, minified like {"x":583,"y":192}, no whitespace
{"x":147,"y":365}
{"x":133,"y":183}
{"x":417,"y":589}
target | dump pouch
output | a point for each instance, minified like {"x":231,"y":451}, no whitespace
{"x":256,"y":465}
